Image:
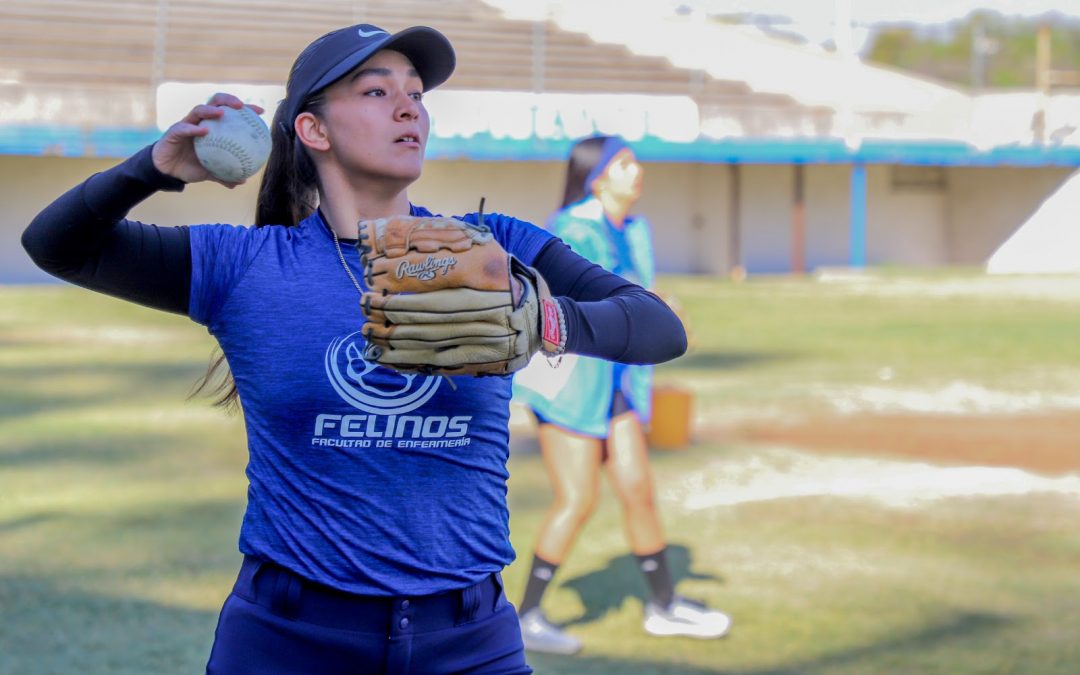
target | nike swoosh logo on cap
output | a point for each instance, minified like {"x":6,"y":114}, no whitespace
{"x":366,"y":34}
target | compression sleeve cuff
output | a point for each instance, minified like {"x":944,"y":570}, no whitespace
{"x":607,"y":316}
{"x":111,"y":194}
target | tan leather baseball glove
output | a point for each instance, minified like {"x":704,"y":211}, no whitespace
{"x":443,"y":297}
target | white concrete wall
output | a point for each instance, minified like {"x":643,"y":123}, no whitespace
{"x":680,"y":200}
{"x":765,"y":220}
{"x":528,"y":191}
{"x":920,"y":227}
{"x":986,"y":205}
{"x":709,"y":248}
{"x":904,"y":227}
{"x":28,"y":184}
{"x":686,"y":204}
{"x":689,"y":206}
{"x":767,"y":216}
{"x":827,"y":213}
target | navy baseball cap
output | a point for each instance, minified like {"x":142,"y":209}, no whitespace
{"x":336,"y":54}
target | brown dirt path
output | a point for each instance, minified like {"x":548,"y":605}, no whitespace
{"x":1045,"y":443}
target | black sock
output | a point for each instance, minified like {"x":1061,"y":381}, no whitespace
{"x":655,"y":569}
{"x":539,"y":578}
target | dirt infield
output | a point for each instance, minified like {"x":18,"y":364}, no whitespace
{"x":1045,"y":443}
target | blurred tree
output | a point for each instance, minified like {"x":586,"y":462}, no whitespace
{"x":983,"y":49}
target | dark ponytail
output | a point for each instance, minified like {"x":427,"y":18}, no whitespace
{"x":288,"y":193}
{"x":218,"y":382}
{"x":584,"y":157}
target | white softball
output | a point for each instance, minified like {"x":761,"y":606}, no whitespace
{"x":237,"y":145}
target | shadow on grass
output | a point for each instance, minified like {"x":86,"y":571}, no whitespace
{"x":196,"y":536}
{"x":709,"y":360}
{"x":51,"y":629}
{"x":970,"y":627}
{"x":100,"y":450}
{"x":903,"y":653}
{"x":16,"y":404}
{"x":29,"y":521}
{"x":126,"y":381}
{"x":582,"y":664}
{"x":171,"y":538}
{"x":605,"y":590}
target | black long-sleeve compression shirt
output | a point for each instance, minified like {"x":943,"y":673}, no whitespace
{"x":85,"y":238}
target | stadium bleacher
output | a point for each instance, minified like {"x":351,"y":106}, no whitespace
{"x":98,"y":62}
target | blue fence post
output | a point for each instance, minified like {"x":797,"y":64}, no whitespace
{"x":858,"y":216}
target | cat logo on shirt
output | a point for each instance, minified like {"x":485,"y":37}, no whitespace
{"x":370,"y":387}
{"x":384,"y":398}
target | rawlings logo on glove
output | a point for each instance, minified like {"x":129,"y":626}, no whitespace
{"x":427,"y":270}
{"x":443,"y":297}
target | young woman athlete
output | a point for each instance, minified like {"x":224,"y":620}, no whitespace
{"x":376,"y":523}
{"x":590,"y":411}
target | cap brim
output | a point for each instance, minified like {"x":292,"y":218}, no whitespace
{"x":428,"y":49}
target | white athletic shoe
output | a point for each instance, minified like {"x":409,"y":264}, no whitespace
{"x":541,"y":635}
{"x":686,"y":617}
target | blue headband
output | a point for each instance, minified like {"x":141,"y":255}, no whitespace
{"x":612,"y":146}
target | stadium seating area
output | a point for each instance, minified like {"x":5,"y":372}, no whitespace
{"x":100,"y":61}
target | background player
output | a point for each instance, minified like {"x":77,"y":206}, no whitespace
{"x":590,"y":411}
{"x":364,"y":548}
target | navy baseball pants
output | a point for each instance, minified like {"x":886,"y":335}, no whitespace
{"x":277,"y":622}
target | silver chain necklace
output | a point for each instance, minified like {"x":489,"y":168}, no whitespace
{"x":341,"y":257}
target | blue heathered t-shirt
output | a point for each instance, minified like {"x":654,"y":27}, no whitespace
{"x":361,"y":478}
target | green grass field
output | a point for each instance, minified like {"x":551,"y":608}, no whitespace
{"x":120,"y":501}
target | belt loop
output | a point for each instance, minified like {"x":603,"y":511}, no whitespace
{"x":285,"y":600}
{"x":470,"y":602}
{"x":496,"y":580}
{"x":248,"y":577}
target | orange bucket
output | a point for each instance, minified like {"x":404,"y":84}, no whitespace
{"x":671,"y":418}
